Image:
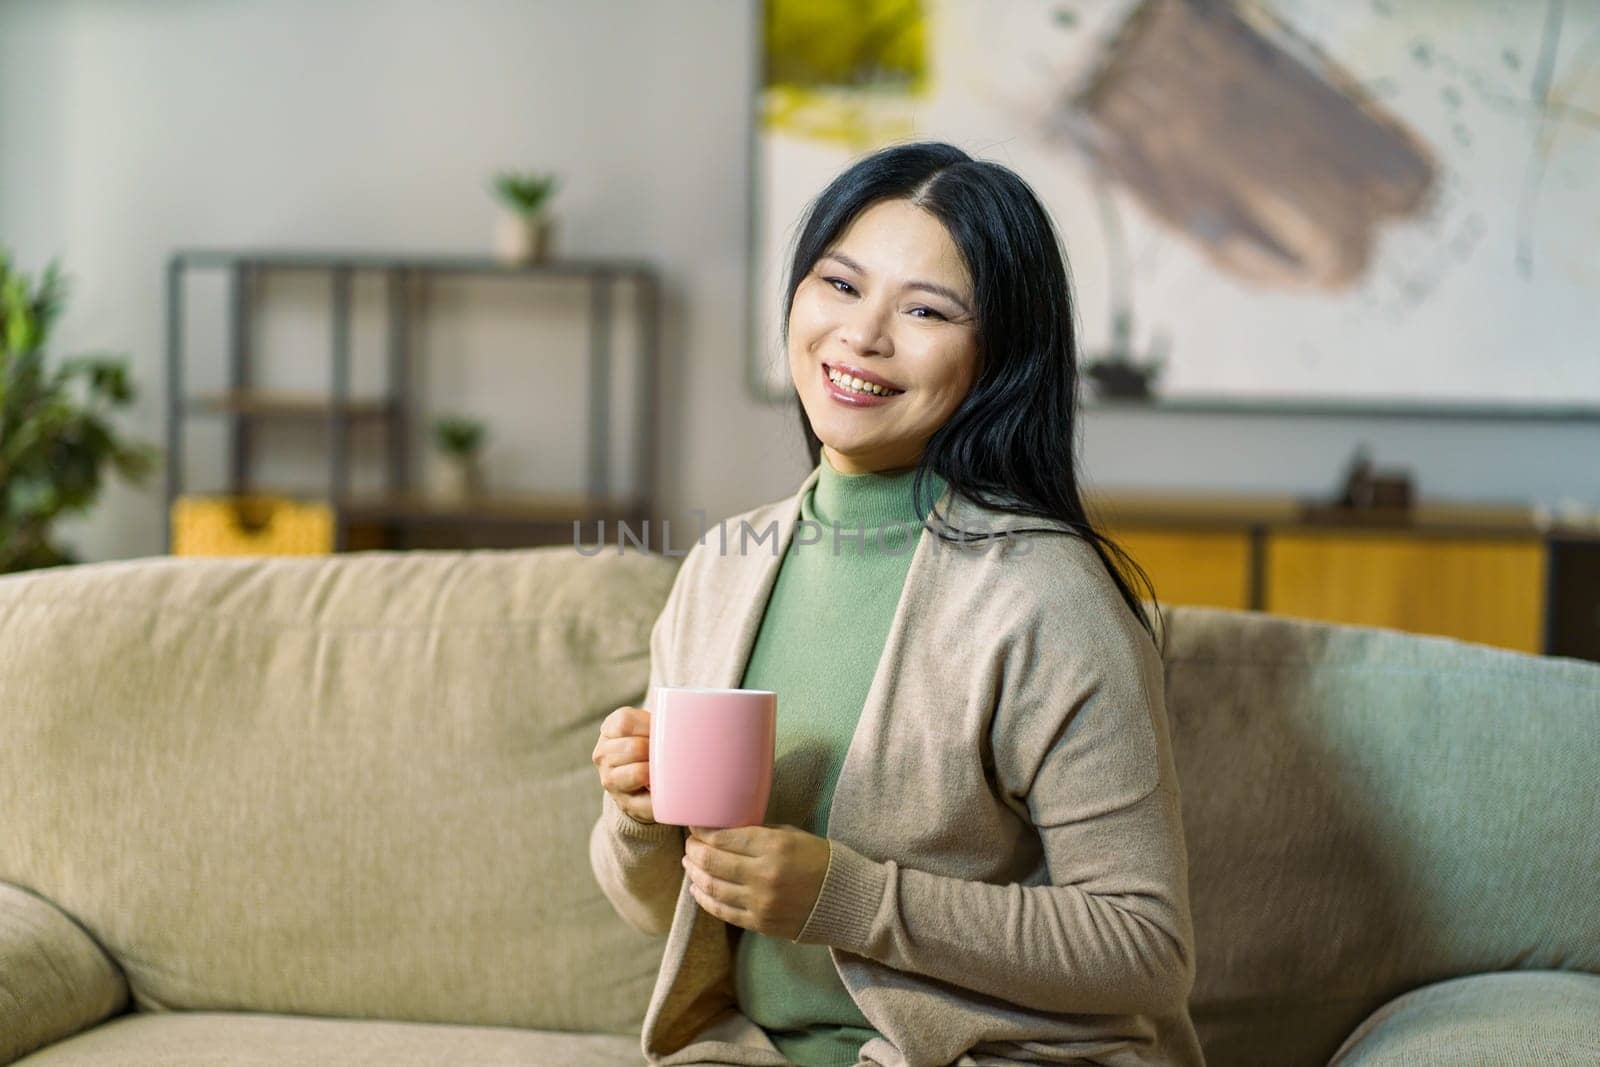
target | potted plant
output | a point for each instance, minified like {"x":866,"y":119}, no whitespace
{"x":526,"y":231}
{"x":53,"y":443}
{"x":459,"y":474}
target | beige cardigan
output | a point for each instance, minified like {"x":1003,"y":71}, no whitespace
{"x":1008,"y":873}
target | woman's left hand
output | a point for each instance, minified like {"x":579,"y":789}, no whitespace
{"x":761,"y":878}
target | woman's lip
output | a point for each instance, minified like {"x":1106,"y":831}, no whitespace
{"x":866,"y":376}
{"x":829,"y":383}
{"x":858,"y":400}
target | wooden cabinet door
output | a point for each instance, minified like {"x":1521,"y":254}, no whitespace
{"x":1207,"y":567}
{"x":1483,"y":589}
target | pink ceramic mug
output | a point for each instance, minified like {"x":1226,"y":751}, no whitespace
{"x":711,"y":753}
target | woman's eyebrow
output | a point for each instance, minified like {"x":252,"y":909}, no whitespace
{"x":944,"y":291}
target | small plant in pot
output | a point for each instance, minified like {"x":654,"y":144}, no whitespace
{"x":526,"y":230}
{"x":459,"y":472}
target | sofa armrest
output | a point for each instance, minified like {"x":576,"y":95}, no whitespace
{"x":55,"y":980}
{"x":1498,"y":1017}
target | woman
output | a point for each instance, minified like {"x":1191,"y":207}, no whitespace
{"x":973,"y":851}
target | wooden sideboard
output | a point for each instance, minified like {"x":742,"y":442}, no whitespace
{"x":1484,"y":573}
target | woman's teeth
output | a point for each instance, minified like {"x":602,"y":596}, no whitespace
{"x":846,"y":381}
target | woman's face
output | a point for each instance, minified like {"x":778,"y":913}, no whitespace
{"x":890,"y":301}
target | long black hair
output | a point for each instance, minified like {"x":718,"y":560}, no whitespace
{"x":1010,"y":445}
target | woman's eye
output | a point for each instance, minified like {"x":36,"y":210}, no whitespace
{"x":841,"y":286}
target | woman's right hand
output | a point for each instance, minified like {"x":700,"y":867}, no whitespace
{"x":622,"y":756}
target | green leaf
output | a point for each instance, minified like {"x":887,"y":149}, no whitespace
{"x":525,"y":193}
{"x":136,"y":463}
{"x":53,"y":445}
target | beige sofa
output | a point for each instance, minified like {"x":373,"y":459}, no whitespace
{"x":335,"y":810}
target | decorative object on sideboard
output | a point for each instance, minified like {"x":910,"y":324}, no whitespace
{"x":1116,"y":374}
{"x":458,"y":473}
{"x":526,"y":232}
{"x":52,"y":444}
{"x":1367,"y":493}
{"x":1567,"y":512}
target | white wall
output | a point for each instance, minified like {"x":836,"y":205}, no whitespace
{"x":130,"y":128}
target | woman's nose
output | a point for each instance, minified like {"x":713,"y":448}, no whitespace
{"x":865,"y":329}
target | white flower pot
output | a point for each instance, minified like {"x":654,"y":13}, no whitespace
{"x":521,"y":239}
{"x":457,"y":479}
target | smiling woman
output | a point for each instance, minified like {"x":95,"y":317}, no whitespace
{"x":973,"y":850}
{"x":914,"y":264}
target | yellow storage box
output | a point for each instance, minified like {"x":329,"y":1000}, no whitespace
{"x":251,"y":525}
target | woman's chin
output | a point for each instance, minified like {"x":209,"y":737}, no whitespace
{"x":844,"y":446}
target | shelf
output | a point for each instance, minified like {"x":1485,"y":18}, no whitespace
{"x":1343,"y":407}
{"x":256,"y":403}
{"x":417,"y":507}
{"x":292,"y":259}
{"x":1188,"y":509}
{"x":408,"y":518}
{"x":1185,"y":508}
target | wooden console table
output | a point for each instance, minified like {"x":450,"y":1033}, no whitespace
{"x":1484,"y":573}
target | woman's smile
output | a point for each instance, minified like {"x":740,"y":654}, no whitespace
{"x":842,"y":388}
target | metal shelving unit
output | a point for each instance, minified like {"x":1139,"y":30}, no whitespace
{"x":522,"y":518}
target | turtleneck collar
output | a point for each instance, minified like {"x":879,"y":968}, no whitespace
{"x":869,"y":500}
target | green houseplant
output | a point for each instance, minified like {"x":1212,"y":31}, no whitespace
{"x":53,"y":443}
{"x":457,"y":440}
{"x":525,"y":229}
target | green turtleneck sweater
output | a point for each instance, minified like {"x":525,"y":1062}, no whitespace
{"x":818,"y":648}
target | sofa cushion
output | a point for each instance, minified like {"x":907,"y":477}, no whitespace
{"x":1543,"y":1017}
{"x":198,"y":1039}
{"x":1367,"y":811}
{"x":355,"y":785}
{"x":54,"y":980}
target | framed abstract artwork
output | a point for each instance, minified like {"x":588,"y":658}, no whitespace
{"x":1379,"y":205}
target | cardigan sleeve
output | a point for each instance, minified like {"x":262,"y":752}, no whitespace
{"x":639,"y":865}
{"x":1111,"y":932}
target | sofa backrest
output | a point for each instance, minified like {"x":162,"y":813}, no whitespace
{"x":354,"y":785}
{"x":1368,"y":811}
